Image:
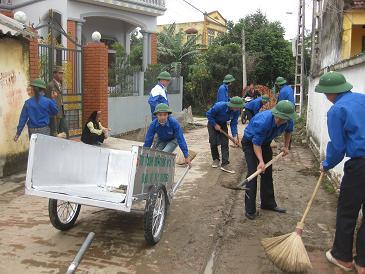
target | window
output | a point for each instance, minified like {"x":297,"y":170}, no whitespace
{"x":190,"y":36}
{"x":211,"y":36}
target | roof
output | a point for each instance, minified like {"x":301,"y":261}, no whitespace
{"x":355,"y":4}
{"x":9,"y":26}
{"x":212,"y":12}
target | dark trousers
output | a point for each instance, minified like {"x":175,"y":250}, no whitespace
{"x":266,"y":187}
{"x":95,"y":139}
{"x":58,"y":125}
{"x":249,"y":114}
{"x":352,"y":197}
{"x":215,"y":139}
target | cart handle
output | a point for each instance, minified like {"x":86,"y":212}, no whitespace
{"x":174,"y":190}
{"x":75,"y":263}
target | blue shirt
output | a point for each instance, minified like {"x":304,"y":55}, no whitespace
{"x":222,"y":94}
{"x":254,"y":105}
{"x":157,"y":96}
{"x":286,"y":93}
{"x":262,"y":128}
{"x":36,"y":113}
{"x":346,"y":129}
{"x":167,"y":132}
{"x":220,"y":114}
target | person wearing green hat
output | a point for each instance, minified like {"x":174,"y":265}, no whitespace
{"x":285,"y":91}
{"x":346,"y":130}
{"x":257,"y":137}
{"x":158,"y":94}
{"x":218,"y":116}
{"x":37,"y":110}
{"x":222,"y":94}
{"x":58,"y":123}
{"x":169,"y":132}
{"x":253,"y":107}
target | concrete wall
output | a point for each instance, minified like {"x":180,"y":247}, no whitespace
{"x":14,"y":71}
{"x":129,"y":113}
{"x":318,"y":105}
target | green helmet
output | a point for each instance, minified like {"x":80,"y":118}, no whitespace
{"x":333,"y":82}
{"x":284,"y":110}
{"x":39,"y":83}
{"x":265,"y":98}
{"x":228,"y":79}
{"x":162,"y":108}
{"x":235,"y":102}
{"x":280,"y":81}
{"x":164,"y":75}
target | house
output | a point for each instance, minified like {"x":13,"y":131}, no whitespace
{"x":213,"y":25}
{"x":341,"y":49}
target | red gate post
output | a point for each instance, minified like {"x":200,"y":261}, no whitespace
{"x":95,"y":75}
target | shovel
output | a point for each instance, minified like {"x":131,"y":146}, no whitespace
{"x":229,"y":137}
{"x":258,"y":172}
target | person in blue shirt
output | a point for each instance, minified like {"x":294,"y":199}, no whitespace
{"x":37,"y":110}
{"x":218,"y":116}
{"x":259,"y":133}
{"x":346,"y":129}
{"x":168,"y":131}
{"x":253,"y":107}
{"x":222,"y":94}
{"x":285,"y":91}
{"x":158,"y":94}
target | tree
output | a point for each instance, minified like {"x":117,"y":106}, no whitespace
{"x":268,"y":53}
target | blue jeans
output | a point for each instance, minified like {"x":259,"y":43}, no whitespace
{"x":166,"y":146}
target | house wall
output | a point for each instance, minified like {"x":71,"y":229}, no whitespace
{"x":120,"y":109}
{"x":14,"y":71}
{"x":353,"y":33}
{"x":318,"y":105}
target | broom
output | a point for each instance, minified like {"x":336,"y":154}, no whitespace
{"x":288,"y":252}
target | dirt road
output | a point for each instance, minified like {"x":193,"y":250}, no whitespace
{"x":204,"y":219}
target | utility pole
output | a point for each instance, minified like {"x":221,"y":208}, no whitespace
{"x":316,"y":28}
{"x":299,"y":59}
{"x":244,"y":73}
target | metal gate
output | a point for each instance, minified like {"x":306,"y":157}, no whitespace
{"x":52,"y":53}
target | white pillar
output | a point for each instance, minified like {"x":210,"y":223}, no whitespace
{"x":149,"y":48}
{"x":145,"y":50}
{"x":79,"y":57}
{"x":128,"y":42}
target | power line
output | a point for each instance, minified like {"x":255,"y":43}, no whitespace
{"x":204,"y":13}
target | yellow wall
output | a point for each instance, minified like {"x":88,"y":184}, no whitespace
{"x":202,"y":27}
{"x":353,"y":31}
{"x":14,"y":66}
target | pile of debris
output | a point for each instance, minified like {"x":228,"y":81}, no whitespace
{"x":264,"y":90}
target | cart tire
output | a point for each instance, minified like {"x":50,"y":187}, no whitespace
{"x":155,"y":215}
{"x":63,"y":214}
{"x":244,"y":117}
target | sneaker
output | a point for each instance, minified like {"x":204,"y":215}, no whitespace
{"x":228,"y":169}
{"x":215,"y":163}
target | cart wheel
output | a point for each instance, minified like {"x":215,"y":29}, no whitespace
{"x":154,"y":215}
{"x":63,"y":214}
{"x":243,"y":117}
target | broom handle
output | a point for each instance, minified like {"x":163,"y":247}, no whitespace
{"x":312,"y":198}
{"x":229,"y":137}
{"x":258,"y":172}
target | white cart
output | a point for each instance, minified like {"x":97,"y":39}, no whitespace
{"x":71,"y":174}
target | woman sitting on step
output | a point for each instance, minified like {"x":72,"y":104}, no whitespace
{"x":94,"y":133}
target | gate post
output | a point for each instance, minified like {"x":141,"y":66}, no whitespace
{"x":33,"y":59}
{"x":95,"y":96}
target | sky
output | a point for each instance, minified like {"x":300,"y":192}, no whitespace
{"x":178,"y":11}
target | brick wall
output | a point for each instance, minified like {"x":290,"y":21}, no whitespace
{"x":8,"y":13}
{"x":71,"y":30}
{"x":95,"y":73}
{"x":154,"y":48}
{"x":33,"y":59}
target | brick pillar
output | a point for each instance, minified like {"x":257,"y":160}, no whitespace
{"x":153,"y":48}
{"x":33,"y":59}
{"x":95,"y":74}
{"x":71,"y":30}
{"x":7,"y":13}
{"x":71,"y":56}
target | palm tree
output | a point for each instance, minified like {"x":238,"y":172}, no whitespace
{"x":172,"y":48}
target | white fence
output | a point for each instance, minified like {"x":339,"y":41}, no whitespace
{"x":318,"y":105}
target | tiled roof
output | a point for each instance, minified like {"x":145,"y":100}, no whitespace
{"x":14,"y":28}
{"x":358,"y":4}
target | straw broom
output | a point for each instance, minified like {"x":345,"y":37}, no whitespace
{"x":287,"y":252}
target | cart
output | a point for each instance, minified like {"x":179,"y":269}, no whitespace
{"x":71,"y":174}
